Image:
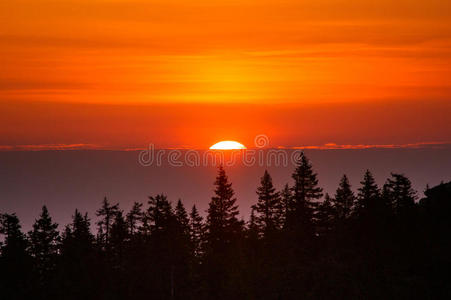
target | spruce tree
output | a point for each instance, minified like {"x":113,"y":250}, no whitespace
{"x":399,"y":193}
{"x":268,"y":207}
{"x":286,"y":203}
{"x":134,"y":217}
{"x":368,"y":197}
{"x":158,"y":213}
{"x":344,"y":199}
{"x":222,"y":251}
{"x":305,"y":193}
{"x":118,"y":239}
{"x":182,"y":248}
{"x":253,"y":230}
{"x":14,"y":242}
{"x":222,"y":215}
{"x":182,"y":217}
{"x":77,"y":236}
{"x":77,"y":261}
{"x":44,"y":242}
{"x":325,"y":215}
{"x":196,"y":231}
{"x":15,"y":262}
{"x":44,"y":245}
{"x":107,"y":213}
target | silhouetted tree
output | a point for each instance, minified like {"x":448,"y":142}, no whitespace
{"x":119,"y":236}
{"x":14,"y":242}
{"x":222,"y":222}
{"x":77,"y":236}
{"x":391,"y":247}
{"x":344,"y":199}
{"x":116,"y":257}
{"x":305,"y":193}
{"x":196,"y":231}
{"x":15,"y":262}
{"x":368,"y":196}
{"x":399,"y":193}
{"x":326,"y":215}
{"x":182,"y":217}
{"x":268,"y":207}
{"x":134,"y":217}
{"x":255,"y":253}
{"x":374,"y":223}
{"x":77,"y":265}
{"x":44,"y":244}
{"x":437,"y":205}
{"x":182,"y":253}
{"x":107,"y":213}
{"x":223,"y":233}
{"x":253,"y":231}
{"x":158,"y":213}
{"x":286,"y":200}
{"x":44,"y":241}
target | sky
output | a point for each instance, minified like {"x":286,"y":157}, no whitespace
{"x":113,"y":74}
{"x":66,"y":180}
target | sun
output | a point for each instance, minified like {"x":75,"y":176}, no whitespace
{"x":227,"y":145}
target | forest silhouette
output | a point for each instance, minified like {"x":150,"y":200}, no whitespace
{"x":299,"y":243}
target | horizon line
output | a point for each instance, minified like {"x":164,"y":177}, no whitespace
{"x":326,"y":146}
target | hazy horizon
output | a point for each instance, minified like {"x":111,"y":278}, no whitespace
{"x":65,"y":180}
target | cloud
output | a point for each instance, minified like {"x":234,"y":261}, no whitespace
{"x":50,"y":147}
{"x":333,"y":146}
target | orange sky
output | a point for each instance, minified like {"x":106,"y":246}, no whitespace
{"x":125,"y":73}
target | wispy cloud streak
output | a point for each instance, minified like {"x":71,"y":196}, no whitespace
{"x":333,"y":146}
{"x":50,"y":147}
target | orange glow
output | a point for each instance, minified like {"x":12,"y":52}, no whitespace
{"x":227,"y":145}
{"x":126,"y":73}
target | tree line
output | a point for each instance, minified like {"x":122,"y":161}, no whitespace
{"x":375,"y":242}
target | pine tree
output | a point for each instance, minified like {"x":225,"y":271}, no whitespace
{"x":44,"y":241}
{"x":196,"y":231}
{"x":182,"y":251}
{"x":77,"y":236}
{"x":118,"y":239}
{"x":286,"y":201}
{"x":326,"y":215}
{"x":268,"y":207}
{"x":368,"y":196}
{"x":344,"y":199}
{"x":222,"y":219}
{"x":76,"y":263}
{"x":134,"y":217}
{"x":107,"y":213}
{"x":15,"y":242}
{"x":15,"y":262}
{"x":399,"y":193}
{"x":253,"y":230}
{"x":223,"y":234}
{"x":304,"y":192}
{"x":158,"y":213}
{"x":182,"y":217}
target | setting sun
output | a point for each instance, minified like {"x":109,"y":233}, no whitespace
{"x":340,"y":163}
{"x":227,"y":145}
